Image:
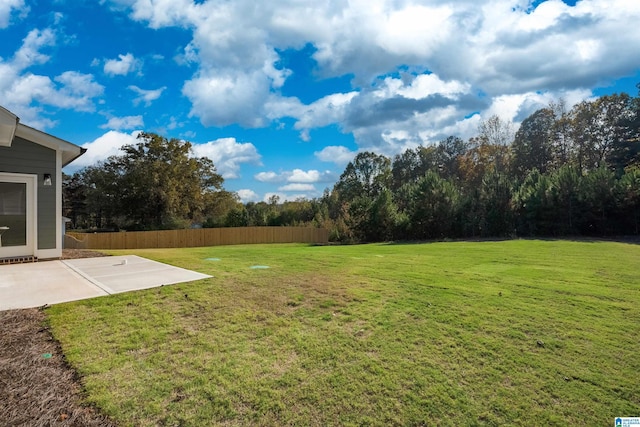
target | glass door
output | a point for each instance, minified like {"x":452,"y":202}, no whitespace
{"x":16,"y":216}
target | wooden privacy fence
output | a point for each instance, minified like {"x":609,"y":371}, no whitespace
{"x":195,"y":237}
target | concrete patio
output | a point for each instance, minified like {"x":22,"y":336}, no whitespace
{"x":53,"y":282}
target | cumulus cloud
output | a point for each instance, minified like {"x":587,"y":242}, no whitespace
{"x":29,"y":53}
{"x":323,"y":112}
{"x":420,"y":70}
{"x":281,"y":197}
{"x":297,"y":187}
{"x":75,"y":90}
{"x":415,"y":30}
{"x":337,"y":154}
{"x":287,"y":197}
{"x":296,"y":176}
{"x":238,"y":68}
{"x":554,"y":45}
{"x":221,"y":99}
{"x":271,"y":177}
{"x":9,"y":8}
{"x":122,"y":66}
{"x":70,"y":90}
{"x":248,"y":196}
{"x":160,"y":13}
{"x":29,"y":95}
{"x":104,"y":146}
{"x":517,"y":107}
{"x":368,"y":39}
{"x":411,"y":110}
{"x":228,"y":155}
{"x":146,"y":96}
{"x":122,"y":123}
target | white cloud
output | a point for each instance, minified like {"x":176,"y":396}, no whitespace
{"x":395,"y":133}
{"x":297,"y":187}
{"x":122,"y":66}
{"x":337,"y":154}
{"x":29,"y":95}
{"x":248,"y":196}
{"x":470,"y":41}
{"x":122,"y":123}
{"x":325,"y":111}
{"x":287,"y":197}
{"x":424,"y":85}
{"x":104,"y":146}
{"x":222,"y":99}
{"x":146,"y":96}
{"x":519,"y":106}
{"x":415,"y":30}
{"x":77,"y":91}
{"x":463,"y":128}
{"x":228,"y":155}
{"x":503,"y":57}
{"x":159,"y":13}
{"x":270,"y":177}
{"x":9,"y":8}
{"x":70,"y":90}
{"x":29,"y":53}
{"x":238,"y":68}
{"x":296,"y":176}
{"x":281,"y":197}
{"x":276,"y":75}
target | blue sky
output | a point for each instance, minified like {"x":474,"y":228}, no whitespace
{"x":282,"y":95}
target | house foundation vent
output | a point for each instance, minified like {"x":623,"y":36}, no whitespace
{"x":18,"y":260}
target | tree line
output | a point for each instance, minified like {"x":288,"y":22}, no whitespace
{"x":565,"y":172}
{"x":154,"y":184}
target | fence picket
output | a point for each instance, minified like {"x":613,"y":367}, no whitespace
{"x":195,"y":237}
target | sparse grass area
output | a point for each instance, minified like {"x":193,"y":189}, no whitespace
{"x":490,"y":333}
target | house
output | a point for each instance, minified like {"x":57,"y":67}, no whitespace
{"x":31,"y":165}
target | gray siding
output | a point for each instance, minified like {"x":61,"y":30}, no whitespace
{"x":26,"y":157}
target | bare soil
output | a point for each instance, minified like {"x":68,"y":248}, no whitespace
{"x":80,"y":253}
{"x":37,"y":386}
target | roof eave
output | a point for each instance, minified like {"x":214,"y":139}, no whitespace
{"x":70,"y":151}
{"x":8,"y":124}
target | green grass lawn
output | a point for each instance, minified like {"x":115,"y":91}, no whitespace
{"x":489,"y":333}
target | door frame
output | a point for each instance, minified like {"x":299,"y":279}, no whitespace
{"x":31,"y":182}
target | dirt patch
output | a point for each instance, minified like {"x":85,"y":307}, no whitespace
{"x":37,"y":387}
{"x":80,"y":253}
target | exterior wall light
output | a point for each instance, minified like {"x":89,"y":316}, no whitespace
{"x":47,"y":179}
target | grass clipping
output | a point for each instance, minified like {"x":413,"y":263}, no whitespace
{"x":37,"y":387}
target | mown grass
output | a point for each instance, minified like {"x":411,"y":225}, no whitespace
{"x":463,"y":333}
